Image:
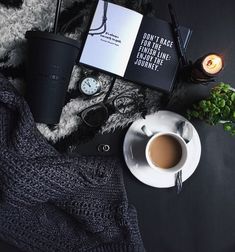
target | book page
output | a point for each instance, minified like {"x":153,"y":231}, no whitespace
{"x":111,"y":38}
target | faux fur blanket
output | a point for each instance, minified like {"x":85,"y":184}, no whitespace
{"x":17,"y":17}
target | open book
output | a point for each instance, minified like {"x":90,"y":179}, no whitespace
{"x":125,"y":43}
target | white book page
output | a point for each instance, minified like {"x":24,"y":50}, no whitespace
{"x":109,"y":46}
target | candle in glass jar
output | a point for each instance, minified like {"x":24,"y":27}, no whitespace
{"x":212,"y":64}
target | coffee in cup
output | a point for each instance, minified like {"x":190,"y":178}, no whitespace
{"x":165,"y":151}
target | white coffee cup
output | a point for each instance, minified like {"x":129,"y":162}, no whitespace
{"x":152,"y":136}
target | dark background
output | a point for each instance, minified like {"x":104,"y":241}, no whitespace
{"x":202,"y":217}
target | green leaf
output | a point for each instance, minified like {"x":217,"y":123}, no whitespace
{"x":233,"y":97}
{"x":233,"y":115}
{"x":225,"y":87}
{"x":221,"y":103}
{"x":216,"y":119}
{"x":195,"y":114}
{"x":226,"y":110}
{"x":233,"y":132}
{"x":217,"y":111}
{"x":202,"y":104}
{"x":228,"y":103}
{"x":228,"y":126}
{"x":226,"y":98}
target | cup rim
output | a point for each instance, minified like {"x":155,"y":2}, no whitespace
{"x":171,"y":169}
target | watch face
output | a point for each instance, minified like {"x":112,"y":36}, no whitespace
{"x":90,"y":86}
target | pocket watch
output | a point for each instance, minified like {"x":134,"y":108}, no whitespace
{"x":90,"y":84}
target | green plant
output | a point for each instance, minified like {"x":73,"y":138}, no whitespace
{"x":218,"y":108}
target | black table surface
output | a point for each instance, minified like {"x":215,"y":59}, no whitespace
{"x":202,"y":217}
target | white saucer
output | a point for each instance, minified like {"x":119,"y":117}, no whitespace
{"x":134,"y":150}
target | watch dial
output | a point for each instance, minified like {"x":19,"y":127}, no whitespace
{"x":90,"y":86}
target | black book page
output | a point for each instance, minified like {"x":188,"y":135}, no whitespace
{"x":154,"y":61}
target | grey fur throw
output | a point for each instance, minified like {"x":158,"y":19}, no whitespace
{"x":39,"y":14}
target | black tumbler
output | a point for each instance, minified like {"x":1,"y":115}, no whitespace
{"x":50,"y":61}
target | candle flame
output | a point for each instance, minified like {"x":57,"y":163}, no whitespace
{"x":212,"y":64}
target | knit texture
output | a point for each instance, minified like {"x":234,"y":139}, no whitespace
{"x":53,"y":202}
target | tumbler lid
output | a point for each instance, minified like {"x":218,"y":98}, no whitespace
{"x":51,"y":36}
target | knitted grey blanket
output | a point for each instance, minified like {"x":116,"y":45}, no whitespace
{"x":52,"y":202}
{"x":39,"y":14}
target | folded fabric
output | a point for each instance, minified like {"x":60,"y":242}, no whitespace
{"x":53,"y":202}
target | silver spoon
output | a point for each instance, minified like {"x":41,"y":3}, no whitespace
{"x":185,"y":130}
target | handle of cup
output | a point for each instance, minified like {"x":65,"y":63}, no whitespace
{"x":147,"y":131}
